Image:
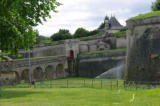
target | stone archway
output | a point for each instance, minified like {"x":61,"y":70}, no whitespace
{"x":50,"y":73}
{"x":60,"y":70}
{"x":38,"y":74}
{"x":25,"y":75}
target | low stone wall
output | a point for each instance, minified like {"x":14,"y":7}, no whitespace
{"x":94,"y":65}
{"x":8,"y":78}
{"x":121,"y":42}
{"x":143,"y":51}
{"x":49,"y":50}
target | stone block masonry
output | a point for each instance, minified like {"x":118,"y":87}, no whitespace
{"x":143,"y":51}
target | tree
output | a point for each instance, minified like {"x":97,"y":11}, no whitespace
{"x":81,"y":32}
{"x":17,"y":19}
{"x":156,"y":5}
{"x":42,"y":39}
{"x":94,"y":32}
{"x":61,"y":35}
{"x":102,"y":25}
{"x":106,"y":17}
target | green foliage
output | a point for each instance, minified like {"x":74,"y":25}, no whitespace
{"x":88,"y":38}
{"x":94,"y":32}
{"x":41,"y":57}
{"x":123,"y":29}
{"x":104,"y":51}
{"x":42,"y":39}
{"x":17,"y":19}
{"x":3,"y":59}
{"x":79,"y":96}
{"x":101,"y":26}
{"x":81,"y":32}
{"x":106,"y":17}
{"x":61,"y":35}
{"x":59,"y":42}
{"x":147,"y":15}
{"x":156,"y":5}
{"x":120,"y":34}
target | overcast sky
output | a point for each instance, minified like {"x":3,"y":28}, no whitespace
{"x":90,"y":14}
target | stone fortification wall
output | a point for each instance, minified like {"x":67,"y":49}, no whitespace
{"x":96,"y":64}
{"x":49,"y":50}
{"x":121,"y":42}
{"x":143,"y":51}
{"x":97,"y":44}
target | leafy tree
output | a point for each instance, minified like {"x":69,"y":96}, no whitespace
{"x":17,"y":17}
{"x":81,"y":32}
{"x":42,"y":39}
{"x":156,"y":5}
{"x":106,"y":18}
{"x":61,"y":35}
{"x":94,"y":32}
{"x":101,"y":26}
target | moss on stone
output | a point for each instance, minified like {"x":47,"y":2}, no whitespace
{"x":41,"y":57}
{"x":146,"y":15}
{"x":88,"y":38}
{"x":119,"y":34}
{"x":104,"y":51}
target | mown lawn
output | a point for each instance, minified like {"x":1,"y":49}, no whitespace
{"x":79,"y":97}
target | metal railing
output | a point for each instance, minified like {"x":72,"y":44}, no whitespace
{"x":108,"y":84}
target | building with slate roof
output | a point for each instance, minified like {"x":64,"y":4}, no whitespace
{"x":112,"y":25}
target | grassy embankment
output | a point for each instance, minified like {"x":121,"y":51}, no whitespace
{"x":146,"y":15}
{"x":103,"y":51}
{"x":78,"y":96}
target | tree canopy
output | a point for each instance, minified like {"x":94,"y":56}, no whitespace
{"x":42,"y":39}
{"x":81,"y":32}
{"x":61,"y":35}
{"x":156,"y":5}
{"x":102,"y":25}
{"x":17,"y":19}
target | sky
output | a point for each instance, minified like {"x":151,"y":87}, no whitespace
{"x":89,"y":14}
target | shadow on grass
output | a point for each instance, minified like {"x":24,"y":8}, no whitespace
{"x":8,"y":94}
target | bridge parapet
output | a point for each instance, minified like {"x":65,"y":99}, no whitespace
{"x":11,"y":65}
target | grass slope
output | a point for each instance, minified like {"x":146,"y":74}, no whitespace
{"x":78,"y":96}
{"x":147,"y":15}
{"x":103,"y":51}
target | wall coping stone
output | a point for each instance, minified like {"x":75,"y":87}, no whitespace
{"x":143,"y":21}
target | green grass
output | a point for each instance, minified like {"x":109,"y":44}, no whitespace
{"x":119,"y":34}
{"x":74,"y":83}
{"x":103,"y":51}
{"x":93,"y":37}
{"x":78,"y":96}
{"x":147,"y":15}
{"x":1,"y":58}
{"x":41,"y":57}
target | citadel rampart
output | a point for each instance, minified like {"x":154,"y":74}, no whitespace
{"x":38,"y":69}
{"x":143,"y":51}
{"x":70,"y":59}
{"x":96,"y":64}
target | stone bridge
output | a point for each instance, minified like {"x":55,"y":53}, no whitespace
{"x":37,"y":69}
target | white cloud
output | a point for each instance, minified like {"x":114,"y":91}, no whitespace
{"x":90,"y":13}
